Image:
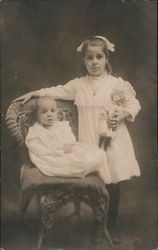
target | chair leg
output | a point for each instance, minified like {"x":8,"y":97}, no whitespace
{"x":77,"y":208}
{"x":40,"y":238}
{"x":108,"y":237}
{"x":41,"y":226}
{"x":106,"y":233}
{"x":25,"y":200}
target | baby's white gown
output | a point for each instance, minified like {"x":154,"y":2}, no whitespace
{"x":46,"y":152}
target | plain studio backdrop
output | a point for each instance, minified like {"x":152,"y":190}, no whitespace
{"x":39,"y":41}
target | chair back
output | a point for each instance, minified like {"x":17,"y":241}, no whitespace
{"x":20,"y":117}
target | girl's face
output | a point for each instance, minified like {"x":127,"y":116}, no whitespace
{"x":95,"y":60}
{"x":46,"y":113}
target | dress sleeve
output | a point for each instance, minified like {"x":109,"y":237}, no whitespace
{"x":132,"y":105}
{"x":68,"y":134}
{"x":65,"y":92}
{"x":34,"y":144}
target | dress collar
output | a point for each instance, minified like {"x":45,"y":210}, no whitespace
{"x":97,"y":78}
{"x":41,"y":128}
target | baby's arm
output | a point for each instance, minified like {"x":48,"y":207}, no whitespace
{"x":35,"y":145}
{"x":69,"y":138}
{"x":68,"y":134}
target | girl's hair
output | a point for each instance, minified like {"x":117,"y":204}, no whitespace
{"x":95,"y":41}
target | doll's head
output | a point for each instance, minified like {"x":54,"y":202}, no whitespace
{"x":118,"y":97}
{"x":94,"y":53}
{"x":45,"y":111}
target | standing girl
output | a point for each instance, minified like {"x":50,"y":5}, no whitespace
{"x":91,"y":93}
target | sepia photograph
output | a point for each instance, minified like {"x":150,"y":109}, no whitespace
{"x":79,"y":125}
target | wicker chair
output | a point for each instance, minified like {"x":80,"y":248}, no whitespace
{"x":54,"y":192}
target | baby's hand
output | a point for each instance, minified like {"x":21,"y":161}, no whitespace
{"x":67,"y":148}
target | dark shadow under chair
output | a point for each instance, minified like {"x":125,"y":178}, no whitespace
{"x":55,"y":192}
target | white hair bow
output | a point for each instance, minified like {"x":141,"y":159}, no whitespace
{"x":110,"y":46}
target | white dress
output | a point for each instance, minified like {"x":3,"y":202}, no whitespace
{"x":45,"y":148}
{"x":121,"y":161}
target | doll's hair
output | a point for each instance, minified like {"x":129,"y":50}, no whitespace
{"x":95,"y":41}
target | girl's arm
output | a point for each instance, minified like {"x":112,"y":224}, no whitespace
{"x":65,"y":92}
{"x":132,"y":106}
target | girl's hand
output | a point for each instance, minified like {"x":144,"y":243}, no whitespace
{"x":113,"y":122}
{"x":27,"y":97}
{"x":122,"y":115}
{"x":67,"y":148}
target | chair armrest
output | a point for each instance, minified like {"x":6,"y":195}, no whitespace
{"x":12,"y":121}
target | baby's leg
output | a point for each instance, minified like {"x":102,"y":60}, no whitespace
{"x":97,"y":161}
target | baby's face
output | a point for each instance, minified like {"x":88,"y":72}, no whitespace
{"x":46,"y":112}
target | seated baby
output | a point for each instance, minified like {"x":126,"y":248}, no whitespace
{"x":53,"y":148}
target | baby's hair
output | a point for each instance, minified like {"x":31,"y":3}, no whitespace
{"x":39,"y":99}
{"x":95,"y":41}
